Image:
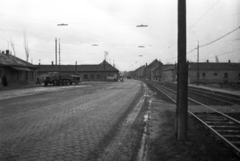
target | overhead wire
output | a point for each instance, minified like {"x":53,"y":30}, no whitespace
{"x":193,"y":24}
{"x":221,"y":54}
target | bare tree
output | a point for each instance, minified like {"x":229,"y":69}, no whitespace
{"x":13,"y":48}
{"x":26,"y":46}
{"x":216,"y":58}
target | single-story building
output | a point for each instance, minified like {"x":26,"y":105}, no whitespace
{"x":169,"y":73}
{"x":214,"y":72}
{"x":157,"y":72}
{"x":208,"y":73}
{"x":93,"y":72}
{"x":15,"y":70}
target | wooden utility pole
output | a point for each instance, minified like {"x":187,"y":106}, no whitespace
{"x":59,"y":58}
{"x":198,"y":64}
{"x":76,"y":68}
{"x":56,"y":51}
{"x":182,"y":101}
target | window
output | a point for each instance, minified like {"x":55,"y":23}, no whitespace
{"x":85,"y":76}
{"x":92,"y":76}
{"x":215,"y":74}
{"x":203,"y":74}
{"x":26,"y":75}
{"x":225,"y":75}
{"x":98,"y":76}
{"x":31,"y":75}
{"x":17,"y":75}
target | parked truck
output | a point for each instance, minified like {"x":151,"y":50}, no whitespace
{"x":55,"y":79}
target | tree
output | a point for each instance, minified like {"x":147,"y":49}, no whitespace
{"x":26,"y":46}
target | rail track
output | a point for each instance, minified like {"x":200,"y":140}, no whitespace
{"x":222,"y":125}
{"x":224,"y":98}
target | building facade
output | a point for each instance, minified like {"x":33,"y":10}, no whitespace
{"x":214,"y":72}
{"x":95,"y":72}
{"x":209,"y":73}
{"x":16,"y":71}
{"x":169,"y":74}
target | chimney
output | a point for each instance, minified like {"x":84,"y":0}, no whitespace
{"x":7,"y":52}
{"x":52,"y":62}
{"x":207,"y":61}
{"x":229,"y":61}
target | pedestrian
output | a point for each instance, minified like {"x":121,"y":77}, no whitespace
{"x":38,"y":81}
{"x":5,"y":83}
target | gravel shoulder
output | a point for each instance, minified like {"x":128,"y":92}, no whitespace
{"x":163,"y":145}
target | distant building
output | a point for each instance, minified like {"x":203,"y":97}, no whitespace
{"x":139,"y":72}
{"x":16,"y":71}
{"x":157,"y":72}
{"x":214,"y":72}
{"x":93,"y":72}
{"x":169,"y":73}
{"x":209,"y":73}
{"x":149,"y":69}
{"x":146,"y":71}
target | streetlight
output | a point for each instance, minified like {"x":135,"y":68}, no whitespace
{"x":142,"y":25}
{"x":62,"y":24}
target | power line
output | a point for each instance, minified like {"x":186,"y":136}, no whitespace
{"x":209,"y":42}
{"x":221,"y":54}
{"x":221,"y":37}
{"x":203,"y":15}
{"x":192,"y":25}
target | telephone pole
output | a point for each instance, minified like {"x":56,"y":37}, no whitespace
{"x":59,"y":58}
{"x":198,"y":64}
{"x":56,"y":51}
{"x":182,"y":79}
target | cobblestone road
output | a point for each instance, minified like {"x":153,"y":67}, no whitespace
{"x":69,"y":124}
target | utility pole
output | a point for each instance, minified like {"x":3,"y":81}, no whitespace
{"x":56,"y":51}
{"x":59,"y":58}
{"x":182,"y":82}
{"x":76,"y":67}
{"x":198,"y":64}
{"x":159,"y":69}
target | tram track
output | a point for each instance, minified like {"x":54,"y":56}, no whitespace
{"x":229,"y":99}
{"x":222,"y":125}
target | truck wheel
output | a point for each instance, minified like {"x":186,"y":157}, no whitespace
{"x":45,"y":83}
{"x":55,"y":83}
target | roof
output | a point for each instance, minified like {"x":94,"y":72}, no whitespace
{"x":169,"y":67}
{"x":153,"y":63}
{"x":80,"y":68}
{"x":10,"y":60}
{"x":163,"y":67}
{"x":214,"y":66}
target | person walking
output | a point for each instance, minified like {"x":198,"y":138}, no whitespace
{"x":5,"y":83}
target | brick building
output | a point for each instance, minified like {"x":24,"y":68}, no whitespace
{"x":93,"y":72}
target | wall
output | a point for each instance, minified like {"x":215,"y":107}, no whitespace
{"x":168,"y":76}
{"x":211,"y":78}
{"x":15,"y":77}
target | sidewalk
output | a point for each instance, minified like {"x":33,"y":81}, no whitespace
{"x":2,"y":88}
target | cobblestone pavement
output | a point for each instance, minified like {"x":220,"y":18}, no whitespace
{"x":68,"y":124}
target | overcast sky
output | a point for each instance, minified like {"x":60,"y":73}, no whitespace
{"x":111,"y":24}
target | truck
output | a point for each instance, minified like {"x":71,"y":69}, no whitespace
{"x":56,"y":79}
